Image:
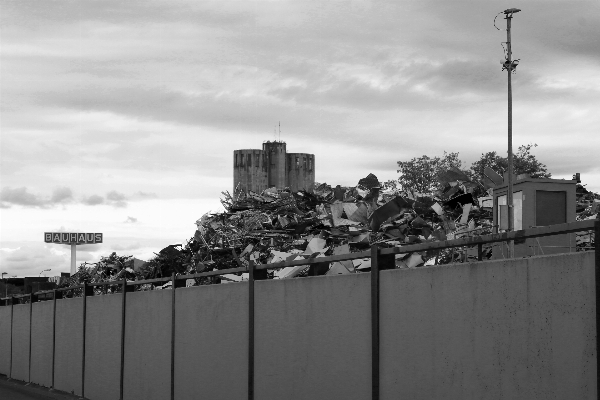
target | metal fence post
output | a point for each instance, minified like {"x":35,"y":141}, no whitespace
{"x":173,"y":286}
{"x":55,"y":294}
{"x":86,"y":291}
{"x":12,"y":312}
{"x":32,"y":299}
{"x":374,"y":323}
{"x":123,"y":309}
{"x":597,"y":279}
{"x":251,"y":330}
{"x":378,"y":262}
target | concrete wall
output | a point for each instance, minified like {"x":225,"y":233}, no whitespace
{"x":41,"y":343}
{"x":148,"y":345}
{"x":211,"y":342}
{"x":313,"y":338}
{"x":523,"y":329}
{"x":103,"y":347}
{"x":5,"y":328}
{"x":69,"y":345}
{"x":20,"y":364}
{"x":496,"y":330}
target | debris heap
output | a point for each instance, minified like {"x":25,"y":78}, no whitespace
{"x":281,"y":225}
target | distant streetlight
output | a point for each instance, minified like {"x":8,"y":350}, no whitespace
{"x":510,"y":66}
{"x":49,"y":269}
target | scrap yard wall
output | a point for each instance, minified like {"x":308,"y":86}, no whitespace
{"x":20,"y":342}
{"x":5,"y":342}
{"x":68,"y":342}
{"x":102,"y":347}
{"x":505,"y":329}
{"x":41,"y":343}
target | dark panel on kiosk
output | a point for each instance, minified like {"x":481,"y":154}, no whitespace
{"x":550,"y":208}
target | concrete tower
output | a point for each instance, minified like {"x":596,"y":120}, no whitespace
{"x":276,"y":157}
{"x":256,"y":170}
{"x":250,"y":170}
{"x":301,"y":171}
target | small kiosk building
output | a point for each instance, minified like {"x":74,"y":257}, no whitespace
{"x":537,"y":202}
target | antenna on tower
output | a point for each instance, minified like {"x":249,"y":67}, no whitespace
{"x":280,"y":131}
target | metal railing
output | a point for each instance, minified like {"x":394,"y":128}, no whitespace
{"x":381,"y":259}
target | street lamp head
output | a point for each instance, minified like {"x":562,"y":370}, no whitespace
{"x":511,"y":11}
{"x":509,"y":65}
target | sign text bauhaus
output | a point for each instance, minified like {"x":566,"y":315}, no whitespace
{"x":72,"y":237}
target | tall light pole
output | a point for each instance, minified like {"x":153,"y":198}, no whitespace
{"x":5,"y":284}
{"x":49,"y":269}
{"x":510,"y":65}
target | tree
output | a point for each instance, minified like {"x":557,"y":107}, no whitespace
{"x":421,"y":174}
{"x":523,"y":163}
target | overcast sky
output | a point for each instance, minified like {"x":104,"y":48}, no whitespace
{"x":122,"y":117}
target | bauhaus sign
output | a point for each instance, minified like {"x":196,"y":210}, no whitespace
{"x":72,"y":238}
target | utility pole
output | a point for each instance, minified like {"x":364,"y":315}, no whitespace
{"x":510,"y":65}
{"x":5,"y":284}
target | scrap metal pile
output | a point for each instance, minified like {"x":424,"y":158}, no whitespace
{"x":280,"y":225}
{"x":111,"y":268}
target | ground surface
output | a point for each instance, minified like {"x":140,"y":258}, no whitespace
{"x":17,"y":390}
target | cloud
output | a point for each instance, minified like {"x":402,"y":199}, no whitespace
{"x":131,"y":220}
{"x":64,"y":195}
{"x":116,"y":199}
{"x":80,"y":106}
{"x":61,"y":195}
{"x":22,"y":197}
{"x":30,"y":259}
{"x":143,"y":195}
{"x":113,"y":198}
{"x":93,"y":200}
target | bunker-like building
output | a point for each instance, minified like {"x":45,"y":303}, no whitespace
{"x":256,"y":170}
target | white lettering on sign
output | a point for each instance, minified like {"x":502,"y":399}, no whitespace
{"x":72,"y":238}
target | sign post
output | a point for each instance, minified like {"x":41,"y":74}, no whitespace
{"x":73,"y":238}
{"x":73,"y":258}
